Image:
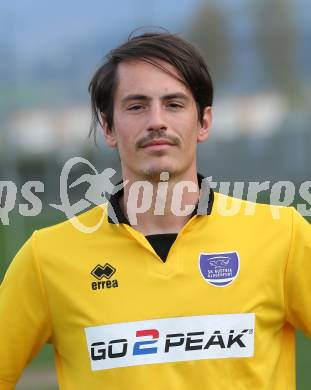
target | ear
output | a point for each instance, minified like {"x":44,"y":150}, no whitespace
{"x":109,"y":133}
{"x":204,"y":128}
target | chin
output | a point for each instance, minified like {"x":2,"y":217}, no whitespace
{"x":153,"y":173}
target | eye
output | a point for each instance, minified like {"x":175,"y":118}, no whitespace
{"x":135,"y":107}
{"x":175,"y":105}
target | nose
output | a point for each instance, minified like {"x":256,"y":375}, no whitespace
{"x":156,"y":119}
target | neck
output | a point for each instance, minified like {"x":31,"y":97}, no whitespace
{"x":160,"y":206}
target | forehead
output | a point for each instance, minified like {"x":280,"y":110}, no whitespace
{"x":141,"y":77}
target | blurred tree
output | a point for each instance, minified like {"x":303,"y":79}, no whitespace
{"x":277,"y":38}
{"x":210,"y":32}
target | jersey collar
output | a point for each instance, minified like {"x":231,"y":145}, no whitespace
{"x":204,"y":207}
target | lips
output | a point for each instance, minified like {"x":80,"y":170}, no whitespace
{"x":157,"y":142}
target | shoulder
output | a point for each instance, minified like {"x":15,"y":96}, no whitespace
{"x":252,"y":212}
{"x":81,"y":227}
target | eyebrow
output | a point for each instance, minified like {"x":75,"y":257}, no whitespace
{"x":176,"y":95}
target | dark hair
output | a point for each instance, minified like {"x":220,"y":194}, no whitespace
{"x":151,"y":47}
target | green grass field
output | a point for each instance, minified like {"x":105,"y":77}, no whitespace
{"x":40,"y":373}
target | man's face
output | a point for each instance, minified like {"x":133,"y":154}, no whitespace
{"x":155,"y":122}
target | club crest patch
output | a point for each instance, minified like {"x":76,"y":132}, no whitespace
{"x":219,"y":269}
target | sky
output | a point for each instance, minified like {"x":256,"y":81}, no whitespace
{"x":33,"y":26}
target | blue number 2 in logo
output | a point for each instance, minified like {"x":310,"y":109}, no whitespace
{"x":219,"y":269}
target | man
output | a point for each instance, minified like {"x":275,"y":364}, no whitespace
{"x":160,"y":299}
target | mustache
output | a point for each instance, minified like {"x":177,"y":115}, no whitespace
{"x":157,"y":134}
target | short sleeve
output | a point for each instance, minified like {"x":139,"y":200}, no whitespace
{"x":298,"y":275}
{"x":24,"y":318}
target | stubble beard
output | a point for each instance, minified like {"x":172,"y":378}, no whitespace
{"x":152,"y":174}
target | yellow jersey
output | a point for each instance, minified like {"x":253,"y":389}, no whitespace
{"x":219,"y":313}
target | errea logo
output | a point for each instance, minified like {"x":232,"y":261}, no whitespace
{"x":104,"y":272}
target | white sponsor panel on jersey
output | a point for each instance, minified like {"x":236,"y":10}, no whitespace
{"x":171,"y":340}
